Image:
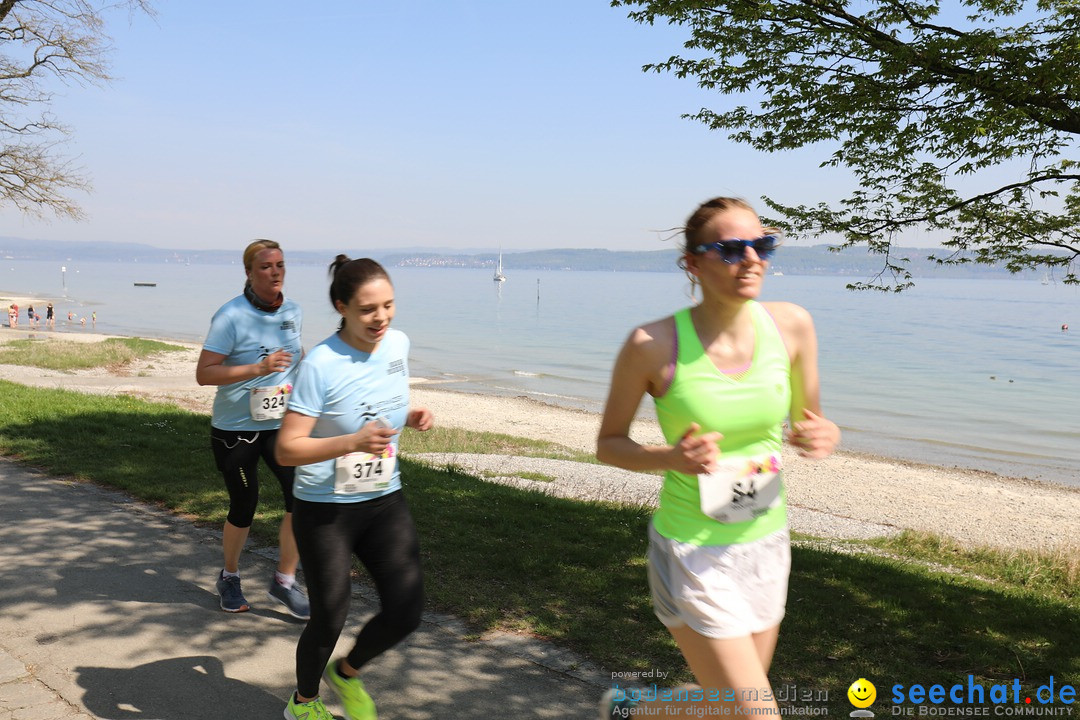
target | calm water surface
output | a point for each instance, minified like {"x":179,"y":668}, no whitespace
{"x":973,"y":373}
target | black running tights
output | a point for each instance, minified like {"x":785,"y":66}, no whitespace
{"x":382,"y":535}
{"x":237,"y":454}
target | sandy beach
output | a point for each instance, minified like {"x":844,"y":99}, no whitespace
{"x":845,"y":495}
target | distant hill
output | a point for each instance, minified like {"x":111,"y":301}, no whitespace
{"x":789,"y":259}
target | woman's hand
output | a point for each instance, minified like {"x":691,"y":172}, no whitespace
{"x":277,"y":361}
{"x":814,"y":437}
{"x":420,"y":419}
{"x":696,"y":454}
{"x":372,"y":438}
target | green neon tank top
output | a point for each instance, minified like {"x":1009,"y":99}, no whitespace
{"x":748,"y":409}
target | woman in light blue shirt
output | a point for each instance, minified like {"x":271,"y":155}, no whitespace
{"x":251,"y":354}
{"x":350,"y":401}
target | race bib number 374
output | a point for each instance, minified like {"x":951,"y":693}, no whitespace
{"x":360,"y":472}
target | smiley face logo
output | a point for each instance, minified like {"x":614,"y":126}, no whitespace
{"x":862,"y":693}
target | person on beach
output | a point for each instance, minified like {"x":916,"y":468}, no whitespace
{"x":50,"y":317}
{"x":13,"y":315}
{"x":342,"y":427}
{"x":93,"y":319}
{"x":724,"y":374}
{"x":251,"y":353}
{"x":30,"y":317}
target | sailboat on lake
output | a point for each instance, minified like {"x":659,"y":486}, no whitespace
{"x":499,"y":277}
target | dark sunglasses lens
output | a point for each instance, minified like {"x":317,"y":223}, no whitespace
{"x":765,"y":246}
{"x":731,"y":251}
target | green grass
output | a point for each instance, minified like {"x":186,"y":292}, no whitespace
{"x":457,"y":440}
{"x":909,"y":609}
{"x":898,"y":617}
{"x":525,"y":475}
{"x":537,"y":477}
{"x":1053,"y":572}
{"x":70,"y":355}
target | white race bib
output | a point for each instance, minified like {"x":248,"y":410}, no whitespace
{"x":361,"y":472}
{"x":269,"y":402}
{"x":741,"y":489}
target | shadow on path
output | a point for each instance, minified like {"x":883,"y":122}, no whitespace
{"x":174,"y":689}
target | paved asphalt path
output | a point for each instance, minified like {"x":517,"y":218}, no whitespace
{"x":108,"y":610}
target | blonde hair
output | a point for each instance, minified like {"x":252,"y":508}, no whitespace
{"x":693,"y":230}
{"x":254,"y":249}
{"x":705,"y":212}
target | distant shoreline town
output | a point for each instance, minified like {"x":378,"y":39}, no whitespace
{"x":791,"y":259}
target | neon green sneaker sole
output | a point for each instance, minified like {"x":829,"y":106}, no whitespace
{"x":314,"y":710}
{"x":357,"y":704}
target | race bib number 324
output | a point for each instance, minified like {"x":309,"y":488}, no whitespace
{"x":269,"y":402}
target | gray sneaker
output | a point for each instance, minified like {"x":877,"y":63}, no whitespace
{"x":232,"y":597}
{"x":293,"y":598}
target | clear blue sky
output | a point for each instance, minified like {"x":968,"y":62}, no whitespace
{"x":347,"y":124}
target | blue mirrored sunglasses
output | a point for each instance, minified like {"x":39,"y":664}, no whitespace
{"x":733,"y":251}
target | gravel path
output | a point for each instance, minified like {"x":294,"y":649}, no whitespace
{"x":586,"y":481}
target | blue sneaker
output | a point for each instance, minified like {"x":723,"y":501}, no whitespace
{"x":293,"y":598}
{"x":232,"y":597}
{"x":621,"y":708}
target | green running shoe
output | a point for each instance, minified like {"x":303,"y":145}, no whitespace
{"x":313,"y":710}
{"x":357,"y":704}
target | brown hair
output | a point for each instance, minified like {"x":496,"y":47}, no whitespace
{"x":254,"y":249}
{"x":349,"y":275}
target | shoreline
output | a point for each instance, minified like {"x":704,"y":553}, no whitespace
{"x":973,"y":507}
{"x":1050,"y":467}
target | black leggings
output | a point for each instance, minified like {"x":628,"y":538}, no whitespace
{"x":382,"y":535}
{"x":237,"y":453}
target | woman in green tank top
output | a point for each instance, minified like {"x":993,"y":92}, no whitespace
{"x":724,"y":375}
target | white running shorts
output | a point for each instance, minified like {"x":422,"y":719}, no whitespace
{"x":720,"y":591}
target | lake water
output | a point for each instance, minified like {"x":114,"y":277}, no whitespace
{"x":971,"y":373}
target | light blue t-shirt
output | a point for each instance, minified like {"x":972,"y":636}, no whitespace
{"x":345,"y":389}
{"x":245,"y":335}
